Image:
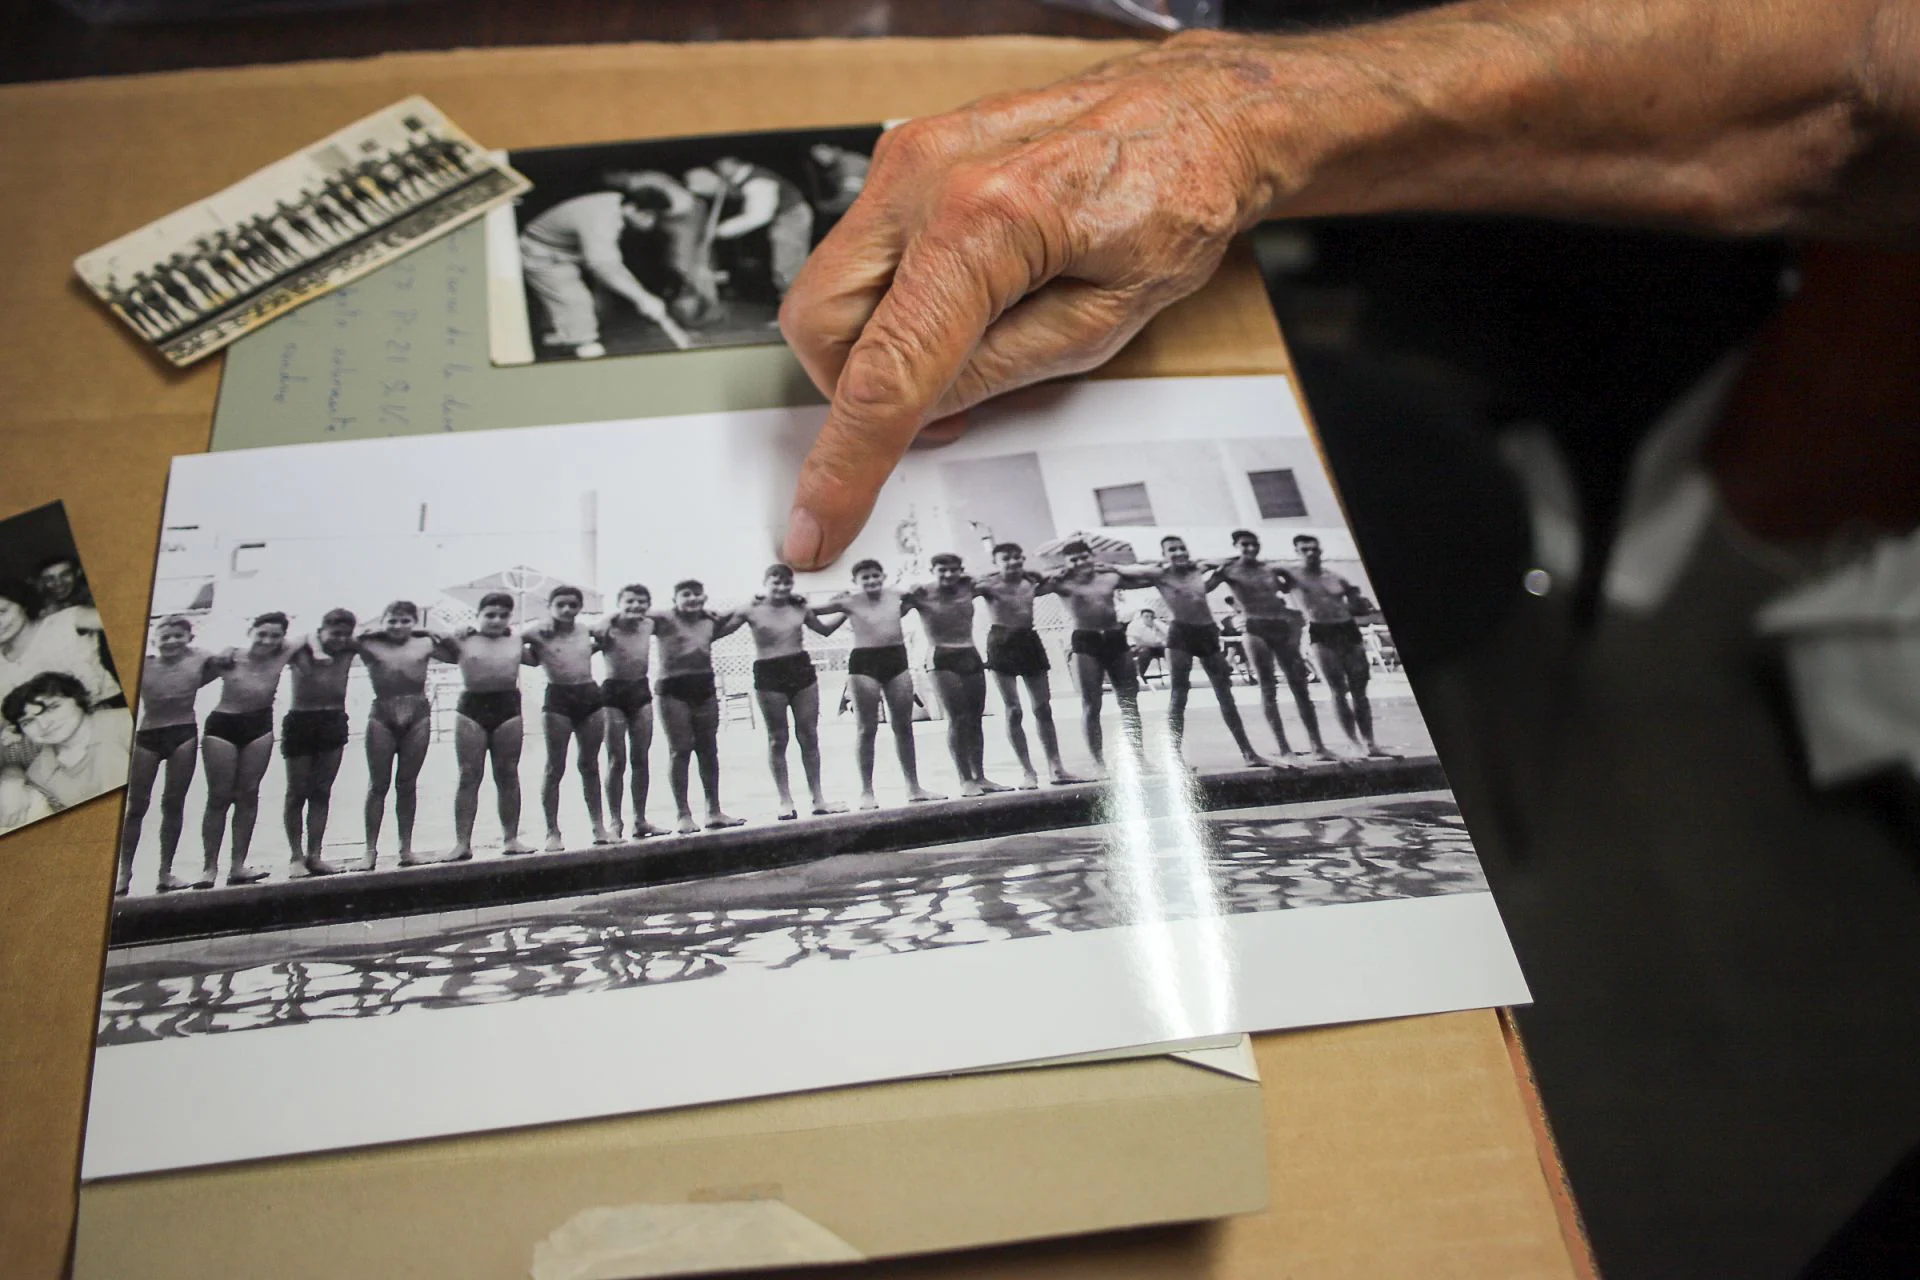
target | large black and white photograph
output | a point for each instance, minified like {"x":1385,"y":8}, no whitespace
{"x":665,"y":244}
{"x":66,"y":733}
{"x":193,"y":281}
{"x":518,"y":747}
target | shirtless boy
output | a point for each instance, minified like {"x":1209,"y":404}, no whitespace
{"x":312,"y":736}
{"x":486,"y":724}
{"x":237,"y":744}
{"x":689,"y":706}
{"x":1329,"y":601}
{"x":960,"y":677}
{"x":1100,"y":649}
{"x":572,"y":710}
{"x":1192,"y":635}
{"x":399,"y":726}
{"x":1273,"y":635}
{"x":1015,"y":654}
{"x":169,"y":734}
{"x":626,"y":642}
{"x":877,"y":669}
{"x":786,"y":685}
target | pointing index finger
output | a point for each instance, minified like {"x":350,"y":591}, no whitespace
{"x":941,"y":300}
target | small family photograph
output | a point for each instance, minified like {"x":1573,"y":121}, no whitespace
{"x":193,"y":281}
{"x":66,"y":733}
{"x":451,"y":736}
{"x":661,"y":245}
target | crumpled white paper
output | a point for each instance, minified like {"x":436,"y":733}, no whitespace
{"x":1852,"y":644}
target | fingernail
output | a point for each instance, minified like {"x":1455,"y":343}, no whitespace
{"x":804,"y":539}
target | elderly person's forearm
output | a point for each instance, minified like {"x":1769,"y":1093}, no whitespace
{"x":1028,"y":235}
{"x":1761,"y":115}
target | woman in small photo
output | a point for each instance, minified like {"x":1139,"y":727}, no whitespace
{"x":66,"y":640}
{"x":78,"y":752}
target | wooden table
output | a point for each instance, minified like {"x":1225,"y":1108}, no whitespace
{"x":1408,"y":1148}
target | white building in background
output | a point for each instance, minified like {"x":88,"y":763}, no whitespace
{"x":1135,"y":492}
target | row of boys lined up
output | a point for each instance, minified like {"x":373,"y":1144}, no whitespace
{"x":618,"y":712}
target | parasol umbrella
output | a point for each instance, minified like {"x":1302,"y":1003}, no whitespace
{"x":528,"y":587}
{"x":1106,"y":550}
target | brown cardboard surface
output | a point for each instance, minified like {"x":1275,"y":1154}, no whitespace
{"x":1395,"y":1149}
{"x":888,"y":1169}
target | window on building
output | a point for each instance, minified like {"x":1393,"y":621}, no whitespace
{"x":1277,"y":494}
{"x":1124,"y":504}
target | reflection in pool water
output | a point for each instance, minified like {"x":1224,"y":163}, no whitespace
{"x":839,"y":908}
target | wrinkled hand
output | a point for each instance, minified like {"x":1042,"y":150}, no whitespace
{"x":1026,"y":236}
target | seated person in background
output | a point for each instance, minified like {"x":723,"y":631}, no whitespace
{"x":79,"y":752}
{"x":1148,"y":636}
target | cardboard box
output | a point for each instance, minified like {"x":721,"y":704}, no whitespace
{"x":1402,"y":1148}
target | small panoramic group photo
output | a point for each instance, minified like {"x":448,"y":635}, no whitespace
{"x":630,"y":247}
{"x":196,"y":279}
{"x":65,"y":729}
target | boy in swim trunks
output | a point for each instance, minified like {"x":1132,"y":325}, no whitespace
{"x":400,"y":724}
{"x":785,"y":684}
{"x":237,"y":744}
{"x":1192,"y":635}
{"x":626,"y":642}
{"x":877,"y":669}
{"x":1339,"y":650}
{"x":1100,"y":649}
{"x":959,"y":675}
{"x":572,"y":710}
{"x":1015,"y":654}
{"x":169,"y":734}
{"x":1273,"y":635}
{"x":689,"y":707}
{"x":486,"y":724}
{"x":312,"y":736}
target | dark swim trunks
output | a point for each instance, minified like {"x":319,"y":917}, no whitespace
{"x":490,"y":708}
{"x":1336,"y":634}
{"x":1282,"y":635}
{"x":165,"y":740}
{"x":878,"y":662}
{"x":1201,"y":639}
{"x":961,"y":662}
{"x":1106,"y":647}
{"x":240,"y":727}
{"x":628,"y":697}
{"x":1016,"y":651}
{"x":1115,"y":656}
{"x":400,"y":712}
{"x":787,"y":674}
{"x":695,"y":688}
{"x":574,"y":701}
{"x":310,"y":732}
